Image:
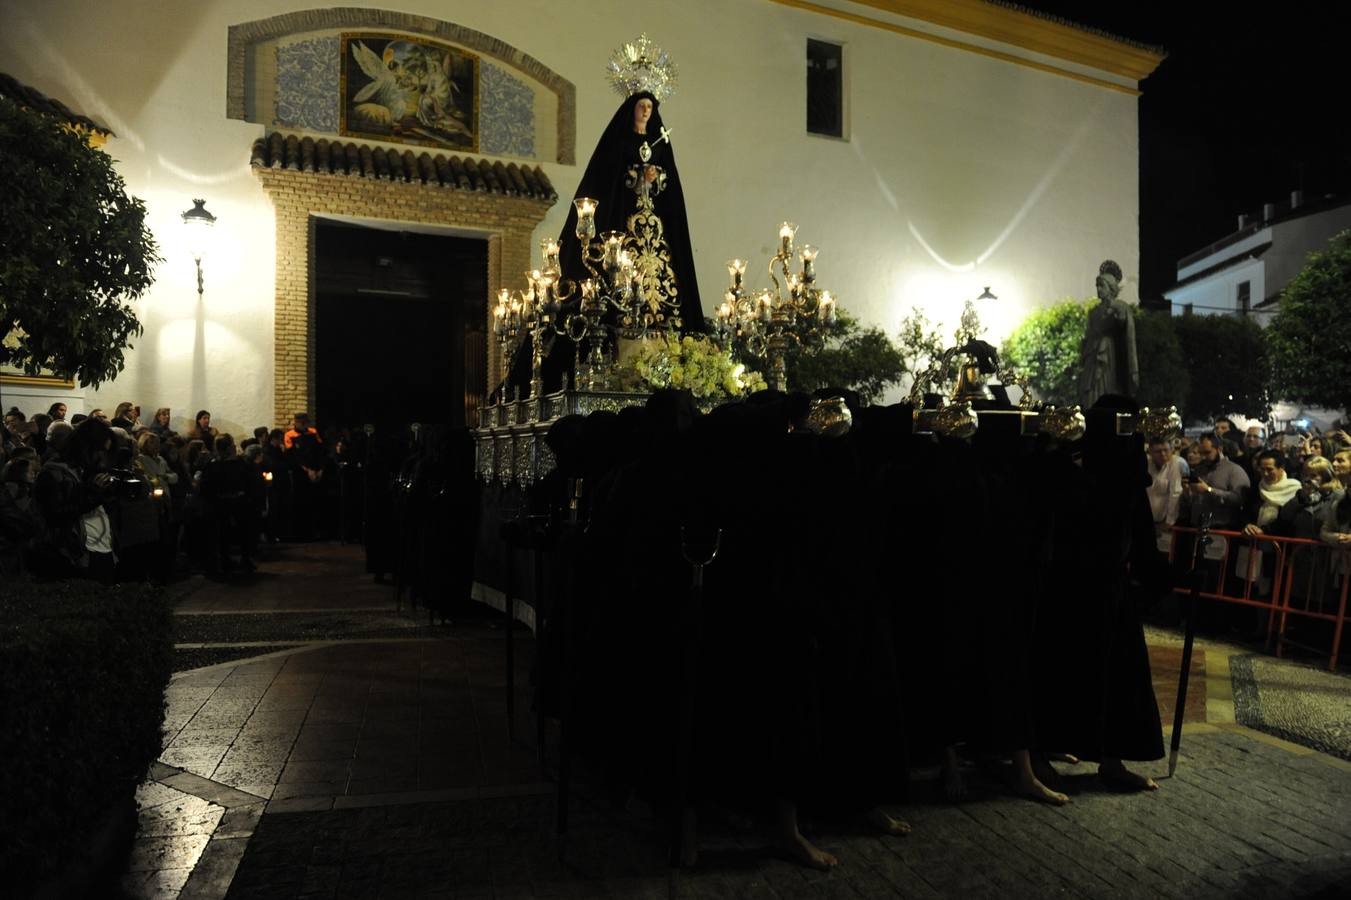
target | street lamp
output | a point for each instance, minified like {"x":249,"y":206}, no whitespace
{"x":198,"y":222}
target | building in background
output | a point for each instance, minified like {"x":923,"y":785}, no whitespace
{"x":1244,"y":273}
{"x":975,"y":144}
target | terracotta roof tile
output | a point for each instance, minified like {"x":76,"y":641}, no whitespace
{"x":39,"y":102}
{"x":467,"y":173}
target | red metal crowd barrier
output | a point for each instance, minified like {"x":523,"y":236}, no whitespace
{"x":1288,"y":577}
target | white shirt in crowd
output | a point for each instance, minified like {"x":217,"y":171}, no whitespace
{"x":1165,"y":489}
{"x":98,"y":531}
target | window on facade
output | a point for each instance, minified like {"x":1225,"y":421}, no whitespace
{"x":1244,"y":297}
{"x":825,"y":88}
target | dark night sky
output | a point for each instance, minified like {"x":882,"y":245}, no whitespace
{"x":1246,"y":108}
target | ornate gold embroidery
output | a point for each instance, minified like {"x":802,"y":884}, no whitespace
{"x":661,"y":304}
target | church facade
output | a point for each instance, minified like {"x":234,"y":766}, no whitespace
{"x":982,"y":145}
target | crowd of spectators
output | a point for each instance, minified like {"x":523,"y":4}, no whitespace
{"x":1291,"y":484}
{"x":121,"y":499}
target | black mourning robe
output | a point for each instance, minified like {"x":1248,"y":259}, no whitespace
{"x":1095,"y":696}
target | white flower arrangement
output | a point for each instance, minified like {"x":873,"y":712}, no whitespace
{"x":692,"y":363}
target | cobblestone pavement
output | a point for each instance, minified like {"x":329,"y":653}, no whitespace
{"x":1298,"y":702}
{"x":1241,"y":818}
{"x":1294,"y":699}
{"x":357,"y":752}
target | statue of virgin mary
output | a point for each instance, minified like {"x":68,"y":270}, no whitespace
{"x":633,"y":177}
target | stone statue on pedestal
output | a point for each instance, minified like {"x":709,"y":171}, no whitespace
{"x":1108,"y":364}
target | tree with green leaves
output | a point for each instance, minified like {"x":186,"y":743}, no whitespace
{"x":921,"y":345}
{"x":74,"y":250}
{"x":1310,"y":336}
{"x":1164,"y":378}
{"x":1229,"y":365}
{"x":1045,"y":347}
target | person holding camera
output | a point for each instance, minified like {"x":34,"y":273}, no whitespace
{"x":70,"y":493}
{"x":1216,"y":486}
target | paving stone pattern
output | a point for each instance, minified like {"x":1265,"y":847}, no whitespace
{"x":298,"y":626}
{"x":188,"y":658}
{"x":1241,"y":818}
{"x":1297,"y":702}
{"x":359,"y":753}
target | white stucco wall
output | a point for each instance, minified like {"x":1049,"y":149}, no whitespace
{"x":1295,"y":239}
{"x":960,"y":170}
{"x":1217,"y":294}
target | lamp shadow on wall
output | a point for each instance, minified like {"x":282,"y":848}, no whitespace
{"x":116,"y":96}
{"x":1067,"y":150}
{"x":198,"y":392}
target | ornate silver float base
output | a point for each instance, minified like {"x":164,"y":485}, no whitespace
{"x":510,"y":438}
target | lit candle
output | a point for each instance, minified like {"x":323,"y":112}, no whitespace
{"x":546,"y":291}
{"x":786,"y":232}
{"x":795,"y":286}
{"x":736,"y":268}
{"x":614,"y":243}
{"x":808,"y":253}
{"x":827,"y":308}
{"x":766,"y":307}
{"x":586,"y":218}
{"x":549,"y":248}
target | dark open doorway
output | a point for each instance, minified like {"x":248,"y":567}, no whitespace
{"x":399,"y":326}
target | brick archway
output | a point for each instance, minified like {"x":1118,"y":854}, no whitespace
{"x":307,"y":178}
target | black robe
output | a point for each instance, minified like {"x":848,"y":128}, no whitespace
{"x":1095,"y":697}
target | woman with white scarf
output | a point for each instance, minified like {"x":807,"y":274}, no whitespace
{"x":1272,"y":512}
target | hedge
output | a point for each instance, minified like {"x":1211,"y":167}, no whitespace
{"x":83,"y":670}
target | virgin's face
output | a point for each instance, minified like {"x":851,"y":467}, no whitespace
{"x":642,"y":111}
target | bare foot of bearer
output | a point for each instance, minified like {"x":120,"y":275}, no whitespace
{"x":1114,"y":773}
{"x":790,"y":842}
{"x":886,"y":823}
{"x":1026,"y":783}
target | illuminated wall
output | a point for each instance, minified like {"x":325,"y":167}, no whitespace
{"x":961,"y":169}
